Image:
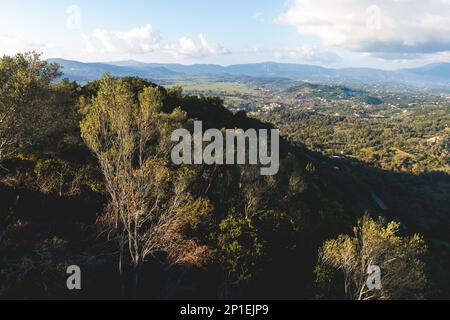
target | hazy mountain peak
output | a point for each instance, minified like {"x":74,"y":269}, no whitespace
{"x":436,"y":75}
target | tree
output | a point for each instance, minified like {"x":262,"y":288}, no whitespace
{"x":130,"y":136}
{"x":376,"y":244}
{"x":25,"y":82}
{"x":63,"y":118}
{"x":239,"y":250}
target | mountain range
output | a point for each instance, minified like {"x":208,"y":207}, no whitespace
{"x":433,"y":75}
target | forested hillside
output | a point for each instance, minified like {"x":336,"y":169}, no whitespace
{"x":86,"y":179}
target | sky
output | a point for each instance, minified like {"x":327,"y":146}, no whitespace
{"x":386,"y":34}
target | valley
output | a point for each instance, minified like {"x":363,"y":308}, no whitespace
{"x":367,"y":157}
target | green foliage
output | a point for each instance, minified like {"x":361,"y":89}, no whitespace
{"x":25,"y":90}
{"x":239,"y":248}
{"x":66,"y":178}
{"x":198,"y":213}
{"x":129,"y":126}
{"x":376,"y":244}
{"x":372,"y":100}
{"x":409,"y":142}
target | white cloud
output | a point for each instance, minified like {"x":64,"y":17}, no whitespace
{"x":138,"y":40}
{"x":386,"y":27}
{"x":308,"y":53}
{"x":146,"y":39}
{"x":188,"y":48}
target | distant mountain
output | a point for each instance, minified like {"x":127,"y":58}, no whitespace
{"x":366,"y":75}
{"x":273,"y":69}
{"x":437,"y":71}
{"x":84,"y":72}
{"x":195,"y":69}
{"x":434,"y":75}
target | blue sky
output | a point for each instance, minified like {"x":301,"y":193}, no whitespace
{"x":338,"y":33}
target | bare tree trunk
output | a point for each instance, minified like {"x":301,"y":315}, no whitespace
{"x":135,"y":286}
{"x":347,"y":283}
{"x":121,"y":271}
